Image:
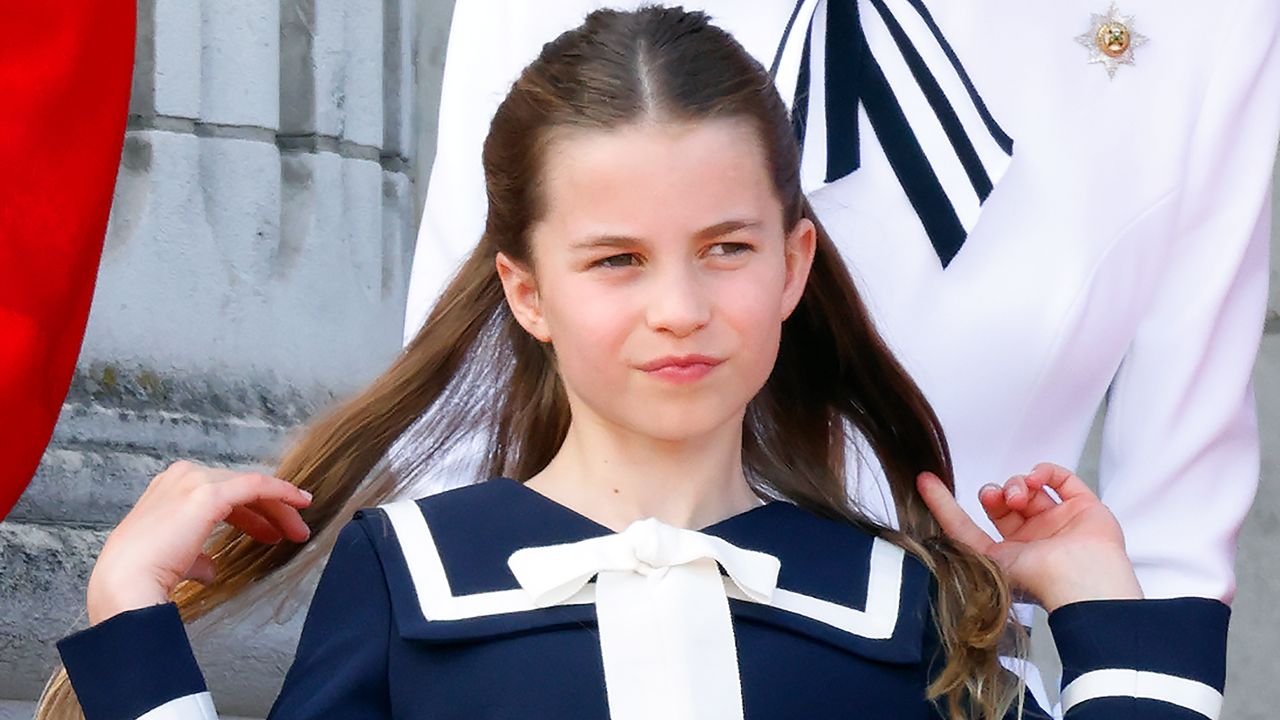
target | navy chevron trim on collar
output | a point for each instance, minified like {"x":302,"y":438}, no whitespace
{"x":445,"y":561}
{"x":946,"y":149}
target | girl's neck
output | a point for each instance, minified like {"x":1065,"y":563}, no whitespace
{"x":616,"y":478}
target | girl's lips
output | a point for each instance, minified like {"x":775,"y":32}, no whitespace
{"x":685,"y":369}
{"x":683,"y":373}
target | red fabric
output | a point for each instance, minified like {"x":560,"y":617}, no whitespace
{"x":65,"y":72}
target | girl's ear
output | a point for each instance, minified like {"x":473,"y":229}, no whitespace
{"x":521,"y":289}
{"x":801,"y":243}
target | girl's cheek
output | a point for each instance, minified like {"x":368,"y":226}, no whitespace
{"x":752,"y":300}
{"x":590,"y":332}
{"x":598,"y":309}
{"x":754,"y":312}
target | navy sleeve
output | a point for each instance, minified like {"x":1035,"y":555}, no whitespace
{"x":133,"y":663}
{"x":1142,"y":659}
{"x":1133,"y":660}
{"x":140,"y":661}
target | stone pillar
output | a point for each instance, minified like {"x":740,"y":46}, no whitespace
{"x":255,"y":268}
{"x":432,"y":42}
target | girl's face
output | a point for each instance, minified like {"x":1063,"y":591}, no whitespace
{"x":661,"y":274}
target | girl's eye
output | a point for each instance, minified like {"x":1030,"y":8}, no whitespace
{"x":729,"y":249}
{"x":617,"y":261}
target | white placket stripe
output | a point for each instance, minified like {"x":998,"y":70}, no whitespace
{"x":667,"y":644}
{"x":813,"y":159}
{"x":666,"y":632}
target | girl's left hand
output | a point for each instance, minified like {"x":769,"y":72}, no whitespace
{"x":1057,"y":551}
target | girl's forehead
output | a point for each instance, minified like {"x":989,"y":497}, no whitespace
{"x":655,"y":177}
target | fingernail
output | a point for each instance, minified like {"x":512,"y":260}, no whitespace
{"x":305,"y":494}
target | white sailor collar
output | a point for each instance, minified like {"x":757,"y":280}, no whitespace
{"x":446,"y":562}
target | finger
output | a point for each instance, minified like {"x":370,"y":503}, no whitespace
{"x":284,"y":519}
{"x":1006,"y":519}
{"x":1041,"y":501}
{"x":955,"y":522}
{"x":202,"y":570}
{"x":253,"y":524}
{"x":248,"y":488}
{"x":1065,"y":483}
{"x":1016,"y":494}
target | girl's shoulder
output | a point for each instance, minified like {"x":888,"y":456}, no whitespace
{"x":445,"y":559}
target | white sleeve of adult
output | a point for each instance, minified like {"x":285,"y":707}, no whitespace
{"x":490,"y":42}
{"x":1180,"y":456}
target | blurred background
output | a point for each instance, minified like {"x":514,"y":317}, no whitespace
{"x":256,"y":267}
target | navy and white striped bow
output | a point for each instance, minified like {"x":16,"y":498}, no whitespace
{"x":890,"y":58}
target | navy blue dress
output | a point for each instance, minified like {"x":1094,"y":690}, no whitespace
{"x":369,"y":650}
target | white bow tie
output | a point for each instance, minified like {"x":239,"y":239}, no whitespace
{"x":666,"y":635}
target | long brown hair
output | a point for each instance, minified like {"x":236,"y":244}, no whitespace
{"x":473,"y":378}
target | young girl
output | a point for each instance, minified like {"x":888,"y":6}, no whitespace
{"x":667,"y":358}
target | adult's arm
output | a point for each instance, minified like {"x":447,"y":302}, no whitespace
{"x":1180,"y":456}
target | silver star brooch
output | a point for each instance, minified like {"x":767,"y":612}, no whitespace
{"x":1111,"y":39}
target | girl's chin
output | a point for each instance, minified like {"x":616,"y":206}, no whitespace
{"x":683,"y":429}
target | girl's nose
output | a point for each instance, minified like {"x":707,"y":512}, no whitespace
{"x":678,"y":303}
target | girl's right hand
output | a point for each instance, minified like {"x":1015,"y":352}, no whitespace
{"x":161,"y":541}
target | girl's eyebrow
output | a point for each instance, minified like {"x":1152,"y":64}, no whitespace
{"x":712,"y":231}
{"x":724,"y":228}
